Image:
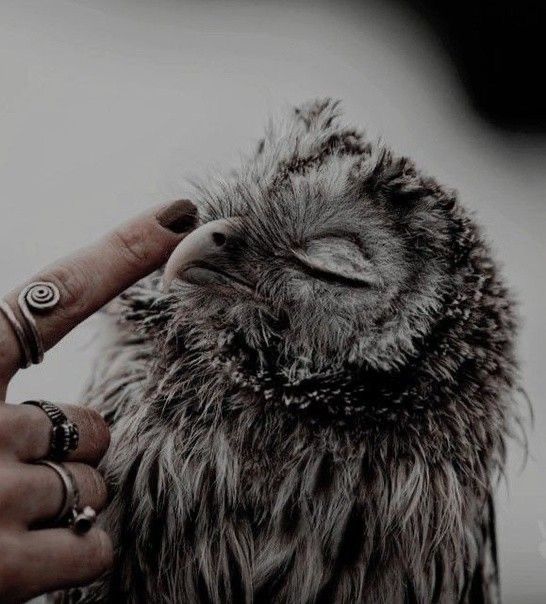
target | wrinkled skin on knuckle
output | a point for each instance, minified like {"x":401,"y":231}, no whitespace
{"x":73,"y":282}
{"x":133,"y":245}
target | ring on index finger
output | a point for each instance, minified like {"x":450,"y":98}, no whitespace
{"x":39,"y":296}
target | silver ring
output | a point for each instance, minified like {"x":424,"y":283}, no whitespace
{"x":71,"y":498}
{"x":65,"y":435}
{"x":39,"y":296}
{"x":83,"y":520}
{"x":19,"y":332}
{"x":71,"y":514}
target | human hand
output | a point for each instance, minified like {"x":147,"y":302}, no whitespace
{"x":36,"y":557}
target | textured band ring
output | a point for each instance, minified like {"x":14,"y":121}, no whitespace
{"x":65,"y":435}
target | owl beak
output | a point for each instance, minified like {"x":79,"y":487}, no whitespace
{"x":199,"y":256}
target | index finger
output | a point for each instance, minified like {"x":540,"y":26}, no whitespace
{"x":94,"y":275}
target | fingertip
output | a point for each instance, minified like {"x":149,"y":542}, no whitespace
{"x":103,"y":435}
{"x":58,"y":558}
{"x":94,"y":275}
{"x":179,"y":217}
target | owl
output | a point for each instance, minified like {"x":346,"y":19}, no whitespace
{"x":310,"y":403}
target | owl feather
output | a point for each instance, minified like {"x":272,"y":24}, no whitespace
{"x":317,"y":410}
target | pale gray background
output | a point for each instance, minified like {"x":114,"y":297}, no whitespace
{"x":106,"y":106}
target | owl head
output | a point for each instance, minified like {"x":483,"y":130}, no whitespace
{"x":322,"y":245}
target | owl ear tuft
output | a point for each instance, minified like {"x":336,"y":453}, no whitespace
{"x":318,"y":114}
{"x":335,"y":258}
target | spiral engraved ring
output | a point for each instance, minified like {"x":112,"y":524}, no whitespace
{"x":38,"y":297}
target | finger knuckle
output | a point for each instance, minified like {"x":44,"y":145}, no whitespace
{"x":132,"y":244}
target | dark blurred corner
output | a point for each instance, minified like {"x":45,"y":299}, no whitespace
{"x":498,"y":48}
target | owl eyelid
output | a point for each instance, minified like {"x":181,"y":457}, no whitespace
{"x":327,"y":275}
{"x":349,"y":237}
{"x":336,"y":259}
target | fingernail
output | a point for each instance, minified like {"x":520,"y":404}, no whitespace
{"x":179,"y":216}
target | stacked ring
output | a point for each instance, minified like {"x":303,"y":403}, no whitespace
{"x":39,"y":296}
{"x":64,"y":435}
{"x":65,"y":438}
